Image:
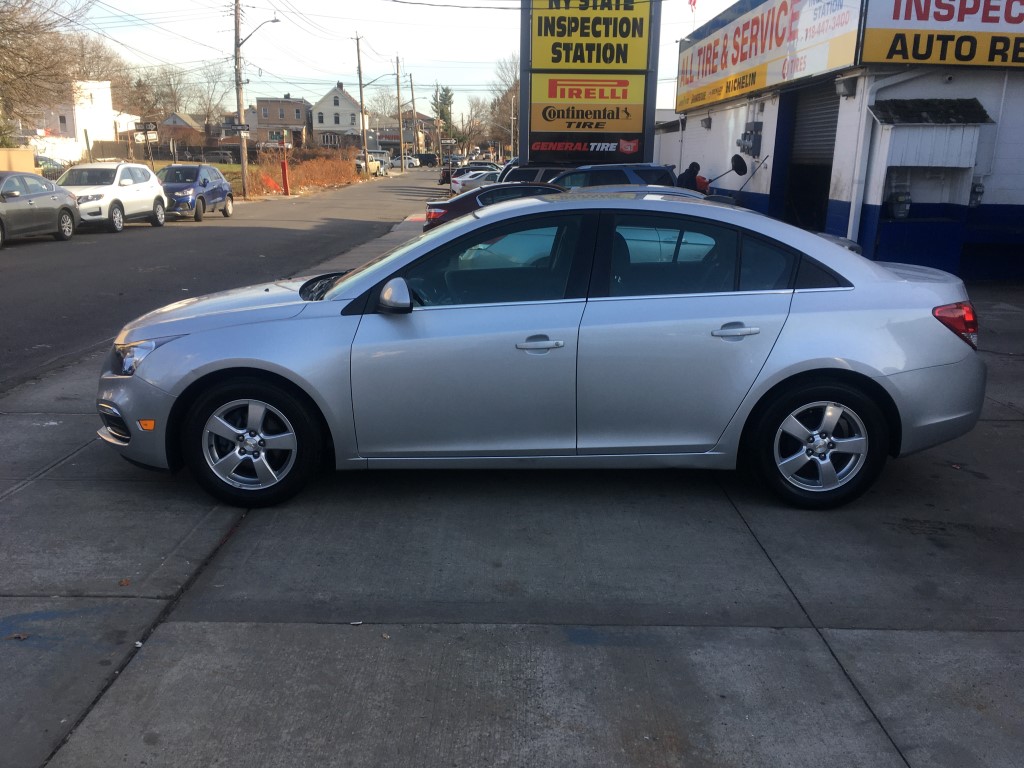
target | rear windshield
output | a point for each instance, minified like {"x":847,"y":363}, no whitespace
{"x":87,"y":177}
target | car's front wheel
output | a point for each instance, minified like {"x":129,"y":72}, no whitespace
{"x":251,"y":443}
{"x":200,"y":209}
{"x":65,"y":225}
{"x":159,"y":214}
{"x":820,"y":446}
{"x":115,"y":220}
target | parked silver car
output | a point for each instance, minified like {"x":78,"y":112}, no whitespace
{"x":621,"y":330}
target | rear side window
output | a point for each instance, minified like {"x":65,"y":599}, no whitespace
{"x":593,"y":178}
{"x":765,"y":266}
{"x":656,"y":176}
{"x":811,"y":274}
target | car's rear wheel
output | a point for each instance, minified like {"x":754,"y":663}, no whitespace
{"x":115,"y":220}
{"x":820,"y":446}
{"x":251,"y":443}
{"x":200,"y":209}
{"x":65,"y":225}
{"x":159,"y":214}
{"x":3,"y":235}
{"x":229,"y":207}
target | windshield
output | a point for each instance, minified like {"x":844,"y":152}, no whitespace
{"x":87,"y":177}
{"x":382,"y":264}
{"x":172,"y":175}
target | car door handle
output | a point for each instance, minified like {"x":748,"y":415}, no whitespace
{"x":731,"y":331}
{"x":546,"y":344}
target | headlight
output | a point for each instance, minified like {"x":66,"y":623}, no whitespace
{"x":89,"y":198}
{"x":185,"y":192}
{"x":128,"y":357}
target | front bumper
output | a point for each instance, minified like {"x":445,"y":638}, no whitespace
{"x":124,"y":401}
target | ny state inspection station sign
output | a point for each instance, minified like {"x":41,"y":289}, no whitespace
{"x":589,"y":79}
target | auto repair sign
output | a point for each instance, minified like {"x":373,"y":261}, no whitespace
{"x":978,"y":33}
{"x":775,"y":43}
{"x":588,"y":79}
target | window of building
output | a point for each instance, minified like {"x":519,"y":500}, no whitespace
{"x":337,"y":101}
{"x":352,"y":119}
{"x":280,"y":113}
{"x":320,"y":117}
{"x":298,"y":114}
{"x":266,"y":112}
{"x":337,"y":119}
{"x":63,"y":120}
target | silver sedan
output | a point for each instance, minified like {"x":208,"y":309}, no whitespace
{"x":625,"y":330}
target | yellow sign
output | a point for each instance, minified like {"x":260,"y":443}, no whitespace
{"x":564,"y":103}
{"x":980,"y":49}
{"x":590,"y":34}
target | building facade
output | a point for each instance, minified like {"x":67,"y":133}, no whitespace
{"x":285,"y":120}
{"x":336,"y":119}
{"x":885,"y":121}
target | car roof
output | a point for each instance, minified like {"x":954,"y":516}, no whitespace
{"x":639,"y":189}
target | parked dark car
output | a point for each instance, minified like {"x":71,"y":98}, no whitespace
{"x":194,"y":190}
{"x":49,"y":168}
{"x":32,"y":205}
{"x":442,"y":211}
{"x":448,"y":173}
{"x":534,"y":173}
{"x":428,"y":159}
{"x":616,"y":173}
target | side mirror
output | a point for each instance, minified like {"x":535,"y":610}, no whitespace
{"x":395,"y":297}
{"x":12,"y":193}
{"x":126,"y":182}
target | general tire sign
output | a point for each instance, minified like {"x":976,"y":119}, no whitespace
{"x":587,"y":80}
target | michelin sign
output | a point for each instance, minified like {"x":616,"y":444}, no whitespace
{"x":588,"y":80}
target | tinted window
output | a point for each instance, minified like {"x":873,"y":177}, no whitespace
{"x":811,"y":274}
{"x":526,"y":260}
{"x":656,"y":176}
{"x":593,"y":178}
{"x":87,"y":177}
{"x":12,"y":184}
{"x":764,"y":266}
{"x":667,"y":255}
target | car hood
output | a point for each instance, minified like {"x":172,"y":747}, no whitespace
{"x":241,"y":306}
{"x":176,"y":186}
{"x":104,"y":189}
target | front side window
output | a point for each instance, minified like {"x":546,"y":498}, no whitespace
{"x":36,"y":186}
{"x":12,"y":184}
{"x":526,"y":260}
{"x":667,"y":255}
{"x":139,"y":175}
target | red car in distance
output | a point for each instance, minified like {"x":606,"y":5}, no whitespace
{"x":441,"y":211}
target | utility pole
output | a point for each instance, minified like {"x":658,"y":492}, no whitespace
{"x":243,"y":153}
{"x":415,"y":119}
{"x":401,"y":136}
{"x":362,"y":109}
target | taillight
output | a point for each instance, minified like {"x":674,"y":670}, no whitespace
{"x":960,"y":319}
{"x":434,"y":213}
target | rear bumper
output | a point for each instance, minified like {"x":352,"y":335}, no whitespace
{"x":939,"y":404}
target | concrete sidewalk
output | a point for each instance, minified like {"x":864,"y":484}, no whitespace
{"x":511,"y":619}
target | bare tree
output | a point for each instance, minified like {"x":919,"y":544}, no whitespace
{"x":383,"y":104}
{"x":212,"y":84}
{"x":33,"y":70}
{"x":173,"y":89}
{"x":505,"y":100}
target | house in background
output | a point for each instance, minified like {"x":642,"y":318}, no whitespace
{"x":285,"y":120}
{"x":64,"y":130}
{"x":336,"y":119}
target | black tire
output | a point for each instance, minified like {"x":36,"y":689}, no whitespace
{"x":65,"y":225}
{"x":115,"y":219}
{"x":234,"y":463}
{"x":820,"y":445}
{"x":200,"y":209}
{"x":159,"y":214}
{"x":3,"y":236}
{"x":229,"y":207}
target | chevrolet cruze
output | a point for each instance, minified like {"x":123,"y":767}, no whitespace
{"x":606,"y":330}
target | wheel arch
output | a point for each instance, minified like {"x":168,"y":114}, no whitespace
{"x":869,"y":387}
{"x":183,"y":404}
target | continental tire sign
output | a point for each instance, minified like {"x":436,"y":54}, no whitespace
{"x":979,"y":33}
{"x":587,"y":79}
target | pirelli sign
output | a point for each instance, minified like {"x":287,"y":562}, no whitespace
{"x":972,"y":33}
{"x":587,"y":81}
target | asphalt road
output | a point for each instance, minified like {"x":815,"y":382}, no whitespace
{"x":61,"y":300}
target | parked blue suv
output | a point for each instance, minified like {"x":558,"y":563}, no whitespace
{"x":194,"y":190}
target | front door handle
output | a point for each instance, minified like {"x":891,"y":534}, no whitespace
{"x":731,"y":330}
{"x":546,"y":344}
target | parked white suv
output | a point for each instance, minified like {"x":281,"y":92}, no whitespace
{"x":113,"y":193}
